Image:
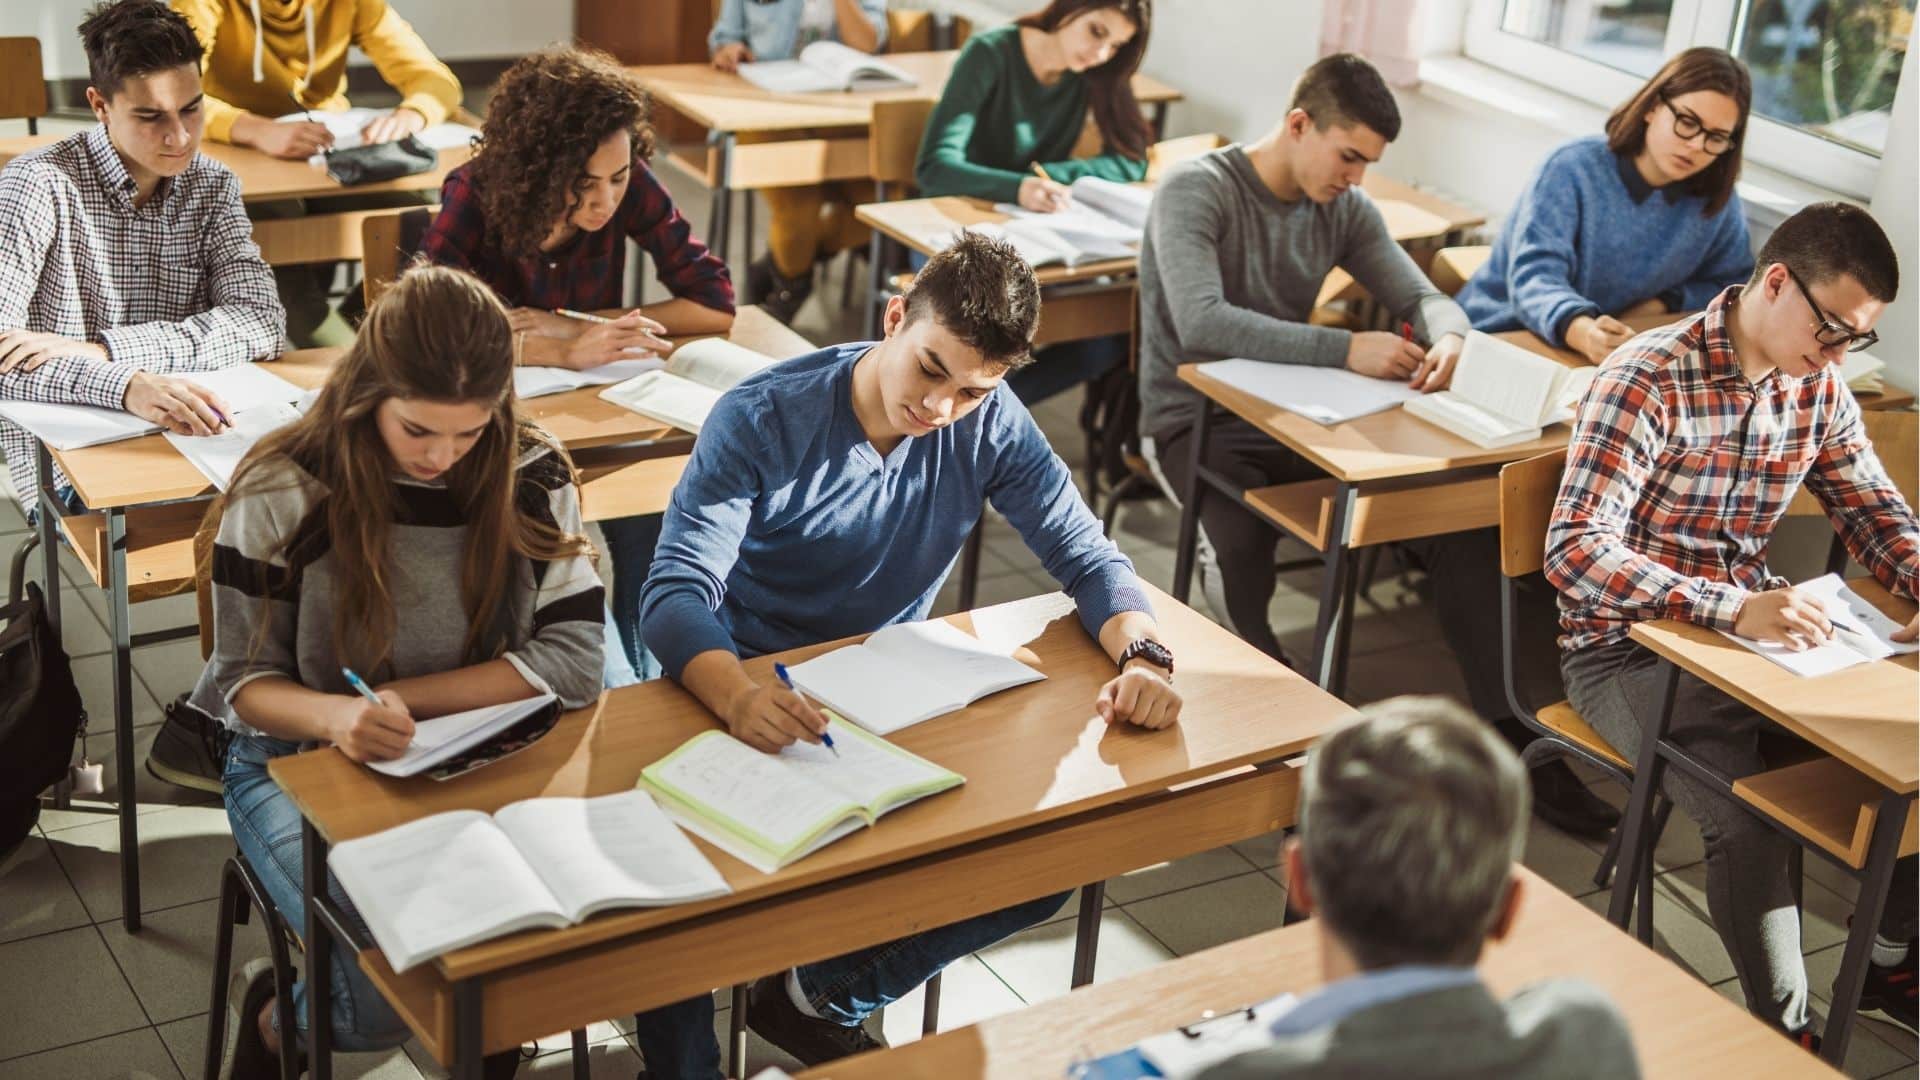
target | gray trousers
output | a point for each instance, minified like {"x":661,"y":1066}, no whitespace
{"x":1616,"y":688}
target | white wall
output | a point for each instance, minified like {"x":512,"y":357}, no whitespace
{"x":1894,"y":199}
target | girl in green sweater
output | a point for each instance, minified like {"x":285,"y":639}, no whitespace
{"x":1020,"y":96}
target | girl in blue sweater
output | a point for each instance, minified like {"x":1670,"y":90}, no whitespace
{"x":1641,"y":220}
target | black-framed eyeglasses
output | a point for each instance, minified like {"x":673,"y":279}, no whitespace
{"x":1688,"y":126}
{"x":1830,"y":333}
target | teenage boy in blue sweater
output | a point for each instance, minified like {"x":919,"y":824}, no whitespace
{"x":827,"y":496}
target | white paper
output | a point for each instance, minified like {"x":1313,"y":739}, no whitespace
{"x":443,"y":737}
{"x":1507,"y":380}
{"x":864,"y":768}
{"x":1177,"y":1054}
{"x":533,"y":381}
{"x":908,"y":673}
{"x":1324,"y":395}
{"x":690,"y":386}
{"x":614,"y":849}
{"x":1867,"y":635}
{"x":825,"y":66}
{"x":71,"y":427}
{"x":752,"y":788}
{"x":216,"y":456}
{"x":1125,"y":203}
{"x":346,"y":125}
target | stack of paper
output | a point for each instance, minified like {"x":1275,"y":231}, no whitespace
{"x":1861,"y":634}
{"x":1323,"y":395}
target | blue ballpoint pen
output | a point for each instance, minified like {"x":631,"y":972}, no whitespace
{"x":358,"y":684}
{"x":780,"y":670}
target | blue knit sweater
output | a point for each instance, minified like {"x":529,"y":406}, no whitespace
{"x":1590,"y":237}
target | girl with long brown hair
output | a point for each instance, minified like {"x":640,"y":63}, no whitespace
{"x":413,"y":527}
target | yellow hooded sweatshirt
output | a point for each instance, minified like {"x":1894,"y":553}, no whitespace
{"x":273,"y":57}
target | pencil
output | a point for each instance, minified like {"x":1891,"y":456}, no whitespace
{"x":583,"y":316}
{"x":1041,"y":172}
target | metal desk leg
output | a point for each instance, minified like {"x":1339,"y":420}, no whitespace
{"x":746,"y":238}
{"x":119,"y":622}
{"x":49,"y":534}
{"x":721,"y":143}
{"x":1638,"y":824}
{"x":1159,"y":120}
{"x":1883,"y":850}
{"x":970,"y":562}
{"x":469,"y":1063}
{"x":313,"y":876}
{"x":737,"y":1033}
{"x":1086,"y":940}
{"x":930,"y":1009}
{"x":1189,"y":539}
{"x":876,"y":270}
{"x":1336,"y":602}
{"x":582,"y":1057}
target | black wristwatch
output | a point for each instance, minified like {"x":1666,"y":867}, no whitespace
{"x":1152,"y":652}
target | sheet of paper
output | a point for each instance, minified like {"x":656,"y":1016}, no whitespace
{"x":71,"y":427}
{"x":614,"y":846}
{"x":788,"y":77}
{"x":666,"y":397}
{"x":216,"y":456}
{"x":865,"y":767}
{"x":1081,"y":225}
{"x":1863,"y":634}
{"x":1212,"y":1040}
{"x":1504,"y":378}
{"x":530,"y":382}
{"x":346,"y":125}
{"x":442,"y":737}
{"x":754,"y":789}
{"x":717,"y":362}
{"x":1323,"y":395}
{"x":1125,"y":203}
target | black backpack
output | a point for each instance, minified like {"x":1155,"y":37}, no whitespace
{"x":40,"y":712}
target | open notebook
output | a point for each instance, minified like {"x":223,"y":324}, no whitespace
{"x":535,"y":381}
{"x":909,"y":672}
{"x":1861,"y":634}
{"x":71,"y":427}
{"x":440,"y":740}
{"x":450,"y":880}
{"x":689,"y":386}
{"x":1503,"y":394}
{"x":346,"y":125}
{"x":825,"y":66}
{"x":1104,"y":221}
{"x":768,"y":810}
{"x":1324,"y":395}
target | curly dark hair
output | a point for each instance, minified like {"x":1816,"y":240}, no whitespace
{"x":549,"y":113}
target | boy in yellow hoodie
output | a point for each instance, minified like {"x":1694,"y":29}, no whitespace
{"x":268,"y":58}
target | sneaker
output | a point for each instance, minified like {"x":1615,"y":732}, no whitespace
{"x":1806,"y":1040}
{"x":772,"y":1015}
{"x":1561,"y":800}
{"x":190,"y":749}
{"x":252,"y":988}
{"x":759,"y":278}
{"x":1892,"y":991}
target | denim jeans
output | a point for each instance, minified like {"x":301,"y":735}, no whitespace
{"x":1059,"y":368}
{"x":630,"y":541}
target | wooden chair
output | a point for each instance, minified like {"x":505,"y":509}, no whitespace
{"x":1527,"y":492}
{"x":23,"y":82}
{"x":388,"y":242}
{"x":1453,"y":266}
{"x":920,"y":31}
{"x":1167,"y":153}
{"x":893,"y":147}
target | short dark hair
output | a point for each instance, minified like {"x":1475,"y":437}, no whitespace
{"x":1344,"y":90}
{"x":1829,"y":239}
{"x":984,"y":293}
{"x":127,"y":38}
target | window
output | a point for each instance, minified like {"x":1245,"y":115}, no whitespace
{"x":1824,"y":71}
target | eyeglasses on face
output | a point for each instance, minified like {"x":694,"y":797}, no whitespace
{"x":1688,"y":126}
{"x":1828,"y":332}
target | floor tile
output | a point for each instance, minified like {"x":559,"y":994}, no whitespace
{"x":170,"y":961}
{"x":1563,"y":860}
{"x":1376,"y":676}
{"x":611,"y":1058}
{"x":38,"y":897}
{"x":1070,"y":910}
{"x":94,"y":676}
{"x":1209,"y":915}
{"x":132,"y":1055}
{"x":153,"y":793}
{"x":170,"y":669}
{"x":1679,"y":934}
{"x":1037,"y":963}
{"x":1868,"y":1054}
{"x":181,"y":851}
{"x":82,"y":633}
{"x":186,"y":1040}
{"x":1823,"y":915}
{"x":970,"y":991}
{"x":165,"y":613}
{"x":1680,"y":844}
{"x":88,"y":1000}
{"x":1166,"y":877}
{"x":1262,"y":851}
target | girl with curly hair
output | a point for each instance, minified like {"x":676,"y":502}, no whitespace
{"x":542,"y":214}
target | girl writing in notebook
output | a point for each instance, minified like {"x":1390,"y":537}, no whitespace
{"x":1640,"y":220}
{"x":1010,"y":119}
{"x":413,"y":528}
{"x":543,"y":213}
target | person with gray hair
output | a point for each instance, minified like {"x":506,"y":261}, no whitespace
{"x":1411,"y":820}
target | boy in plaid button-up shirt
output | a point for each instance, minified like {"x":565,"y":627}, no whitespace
{"x":1685,"y":453}
{"x":125,"y":256}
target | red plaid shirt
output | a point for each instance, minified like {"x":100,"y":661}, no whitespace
{"x":587,"y":271}
{"x":1679,"y":470}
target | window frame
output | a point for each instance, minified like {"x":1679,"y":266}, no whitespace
{"x":1770,"y":143}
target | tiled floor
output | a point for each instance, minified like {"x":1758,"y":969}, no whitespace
{"x":79,"y":998}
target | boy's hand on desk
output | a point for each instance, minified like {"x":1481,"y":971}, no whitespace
{"x":1380,"y":355}
{"x":1436,"y":370}
{"x":1141,"y":696}
{"x":25,"y":350}
{"x":730,"y":56}
{"x":367,"y":732}
{"x":768,"y":718}
{"x":180,"y":406}
{"x":625,"y":338}
{"x":1909,"y":632}
{"x":1790,"y":616}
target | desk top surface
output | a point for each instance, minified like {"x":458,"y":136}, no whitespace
{"x":1867,"y":716}
{"x":149,"y":470}
{"x":1031,"y":755}
{"x":725,"y":101}
{"x":1680,"y":1027}
{"x":263,"y":176}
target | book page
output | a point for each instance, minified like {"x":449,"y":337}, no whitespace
{"x":537,"y":381}
{"x":851,"y":69}
{"x":345,"y":126}
{"x":788,"y":77}
{"x":938,"y":651}
{"x":869,"y":771}
{"x":1037,"y":246}
{"x":666,"y":397}
{"x":1124,"y":203}
{"x":1504,"y":378}
{"x":439,"y":883}
{"x":717,"y":363}
{"x":1862,"y":634}
{"x":745,"y":791}
{"x":216,"y":456}
{"x":1082,"y":226}
{"x":442,"y":737}
{"x":874,"y":691}
{"x":1323,"y":395}
{"x":612,"y":850}
{"x":1461,"y":417}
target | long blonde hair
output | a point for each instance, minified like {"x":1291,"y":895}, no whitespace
{"x":437,"y":335}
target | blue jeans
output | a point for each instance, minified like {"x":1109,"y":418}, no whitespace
{"x":630,"y":541}
{"x":1059,"y":368}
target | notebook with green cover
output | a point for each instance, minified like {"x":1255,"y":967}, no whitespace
{"x":768,"y":810}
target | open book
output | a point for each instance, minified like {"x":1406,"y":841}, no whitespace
{"x":1503,"y":394}
{"x":71,"y":427}
{"x":345,"y":125}
{"x":907,"y":673}
{"x":1324,"y":395}
{"x":450,"y":880}
{"x":536,"y":381}
{"x":687,"y":389}
{"x":1104,"y":221}
{"x":824,"y":66}
{"x":1861,"y":634}
{"x":768,"y":810}
{"x":440,"y":740}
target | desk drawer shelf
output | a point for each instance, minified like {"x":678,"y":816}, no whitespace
{"x":1381,"y":513}
{"x":1826,"y":802}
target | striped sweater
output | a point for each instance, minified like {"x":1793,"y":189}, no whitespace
{"x":550,"y":626}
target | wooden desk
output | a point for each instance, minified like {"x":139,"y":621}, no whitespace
{"x":1390,"y":476}
{"x":820,"y":137}
{"x":146,"y":501}
{"x":1079,"y":802}
{"x":1680,"y":1028}
{"x":264,"y":178}
{"x":1867,"y":717}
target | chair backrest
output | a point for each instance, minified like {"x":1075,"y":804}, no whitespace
{"x":1452,"y":266}
{"x":387,"y":243}
{"x":23,"y":83}
{"x":202,"y":573}
{"x":1167,"y":153}
{"x":893,"y":142}
{"x":1527,"y":491}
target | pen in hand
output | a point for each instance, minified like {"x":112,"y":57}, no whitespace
{"x":360,"y":685}
{"x":780,"y":671}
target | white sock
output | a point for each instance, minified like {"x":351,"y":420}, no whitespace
{"x":799,"y":999}
{"x":1889,"y":953}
